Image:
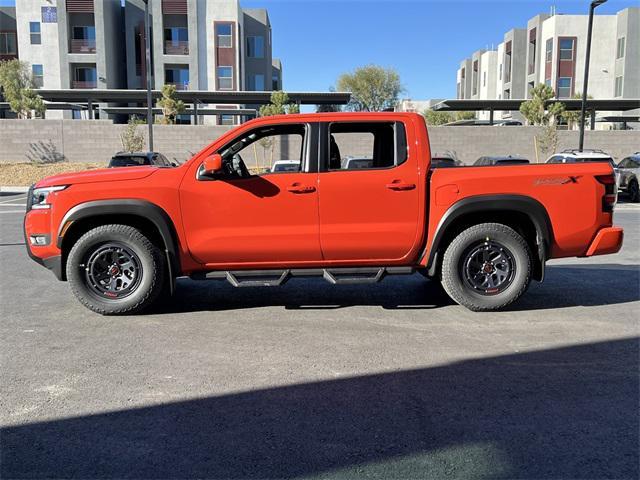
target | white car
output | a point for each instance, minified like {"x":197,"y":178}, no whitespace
{"x":576,"y":156}
{"x":286,"y":166}
{"x":628,"y":174}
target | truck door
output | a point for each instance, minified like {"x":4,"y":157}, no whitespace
{"x":263,"y":210}
{"x":369,"y":192}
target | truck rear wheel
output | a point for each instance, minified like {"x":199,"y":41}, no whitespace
{"x":115,"y":269}
{"x":486,"y":267}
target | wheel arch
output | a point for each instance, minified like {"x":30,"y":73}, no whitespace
{"x":148,"y":217}
{"x":524,"y":214}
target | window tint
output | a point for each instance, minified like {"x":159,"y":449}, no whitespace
{"x":38,"y":75}
{"x":564,"y":87}
{"x":366,"y":145}
{"x":255,"y":47}
{"x":620,"y":48}
{"x":224,"y":34}
{"x":34,"y":31}
{"x":272,"y":149}
{"x":225,"y":78}
{"x":566,"y":49}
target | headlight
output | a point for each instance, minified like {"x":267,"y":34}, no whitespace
{"x":38,"y":198}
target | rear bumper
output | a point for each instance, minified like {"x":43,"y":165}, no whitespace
{"x":607,"y":240}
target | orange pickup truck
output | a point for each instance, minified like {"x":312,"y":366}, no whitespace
{"x":121,"y":236}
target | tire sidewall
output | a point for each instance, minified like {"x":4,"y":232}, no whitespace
{"x":150,"y":263}
{"x":453,"y":266}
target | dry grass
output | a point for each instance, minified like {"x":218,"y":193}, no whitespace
{"x":24,"y":174}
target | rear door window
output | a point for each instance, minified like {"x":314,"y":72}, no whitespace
{"x":365,"y":145}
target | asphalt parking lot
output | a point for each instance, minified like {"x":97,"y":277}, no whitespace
{"x":311,"y":380}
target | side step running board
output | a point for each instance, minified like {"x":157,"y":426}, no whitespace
{"x":274,"y":278}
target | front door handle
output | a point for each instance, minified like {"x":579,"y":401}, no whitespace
{"x":399,"y":185}
{"x":299,"y":188}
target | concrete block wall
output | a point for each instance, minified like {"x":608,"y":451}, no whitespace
{"x":98,"y":140}
{"x":469,"y":143}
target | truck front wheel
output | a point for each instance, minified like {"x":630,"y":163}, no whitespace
{"x":486,"y":267}
{"x":115,"y":269}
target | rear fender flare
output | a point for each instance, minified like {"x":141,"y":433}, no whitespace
{"x":528,"y":206}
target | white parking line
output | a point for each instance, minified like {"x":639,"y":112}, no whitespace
{"x":11,"y":211}
{"x":13,"y":200}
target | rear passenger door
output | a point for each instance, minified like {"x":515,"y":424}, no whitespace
{"x":367,"y":214}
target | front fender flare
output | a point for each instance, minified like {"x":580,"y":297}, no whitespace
{"x":141,"y":208}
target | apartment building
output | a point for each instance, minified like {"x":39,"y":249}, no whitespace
{"x":211,"y":45}
{"x":72,"y":44}
{"x":8,"y":34}
{"x":552,"y":50}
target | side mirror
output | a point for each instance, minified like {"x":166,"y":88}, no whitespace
{"x":212,"y":164}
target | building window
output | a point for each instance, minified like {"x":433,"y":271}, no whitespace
{"x":178,"y":76}
{"x":532,"y":51}
{"x":83,"y":39}
{"x":620,"y":48}
{"x":484,"y":79}
{"x":618,"y":92}
{"x":255,"y":83}
{"x":507,"y":94}
{"x":547,"y":82}
{"x":474,"y":78}
{"x":548,"y":51}
{"x":564,"y":87}
{"x":38,"y":75}
{"x":226,"y":119}
{"x":507,"y":62}
{"x":34,"y":30}
{"x":176,"y":41}
{"x":275,"y":82}
{"x":8,"y":43}
{"x":225,"y":78}
{"x":224,"y":37}
{"x":566,"y":49}
{"x":255,"y":47}
{"x":84,"y":77}
{"x":500,"y":72}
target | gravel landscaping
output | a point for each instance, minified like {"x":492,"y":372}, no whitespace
{"x":22,"y":174}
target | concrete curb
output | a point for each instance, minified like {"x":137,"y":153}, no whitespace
{"x":9,"y":189}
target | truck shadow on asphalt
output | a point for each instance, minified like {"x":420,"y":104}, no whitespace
{"x":564,"y":286}
{"x":569,"y":412}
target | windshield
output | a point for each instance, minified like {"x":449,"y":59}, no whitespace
{"x":127,"y":161}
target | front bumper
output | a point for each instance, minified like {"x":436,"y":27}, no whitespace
{"x":53,"y":262}
{"x":608,"y":240}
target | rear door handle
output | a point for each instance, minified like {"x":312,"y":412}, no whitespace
{"x":399,"y":185}
{"x":299,"y":188}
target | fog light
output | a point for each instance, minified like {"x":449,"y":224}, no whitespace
{"x":39,"y":240}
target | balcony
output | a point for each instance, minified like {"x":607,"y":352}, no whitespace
{"x":84,"y":84}
{"x":176,"y":47}
{"x":179,"y":86}
{"x":82,"y":45}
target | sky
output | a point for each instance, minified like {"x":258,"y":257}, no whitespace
{"x":424,"y":40}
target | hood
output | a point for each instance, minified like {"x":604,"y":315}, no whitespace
{"x":99,"y":175}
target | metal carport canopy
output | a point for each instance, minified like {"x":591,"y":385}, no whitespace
{"x":599,"y":104}
{"x":191,"y":96}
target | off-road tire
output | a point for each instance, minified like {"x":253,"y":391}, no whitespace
{"x":634,"y":191}
{"x":151,"y":260}
{"x":453,"y":276}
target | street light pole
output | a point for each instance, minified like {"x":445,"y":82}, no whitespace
{"x":147,"y":41}
{"x":585,"y":83}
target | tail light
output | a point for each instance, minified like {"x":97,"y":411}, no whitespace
{"x":610,"y":191}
